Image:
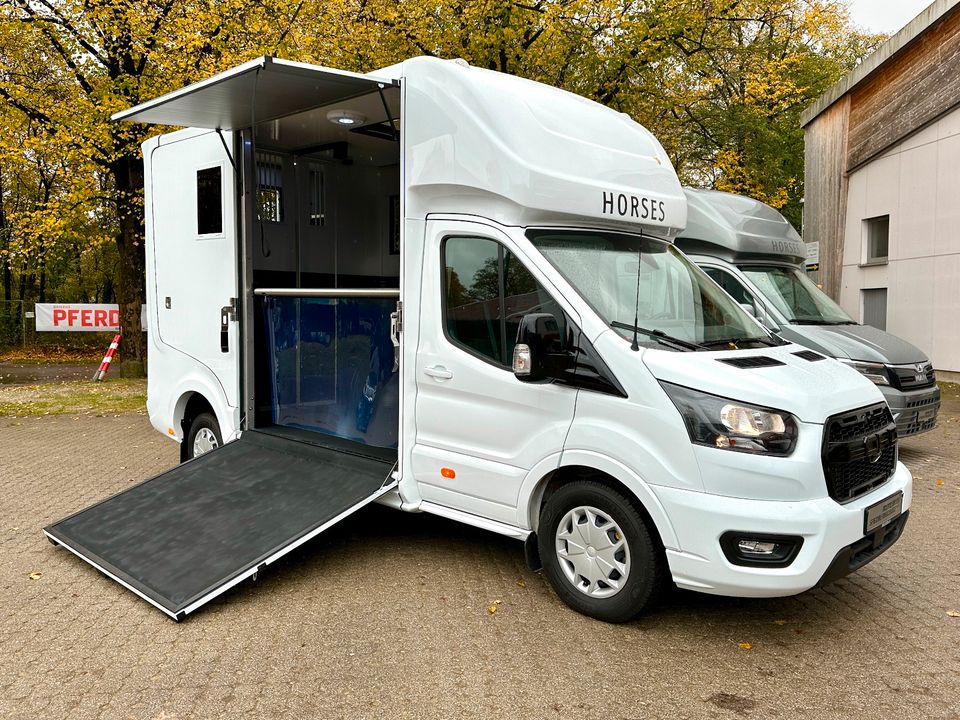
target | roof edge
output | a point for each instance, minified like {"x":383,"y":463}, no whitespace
{"x":934,"y":12}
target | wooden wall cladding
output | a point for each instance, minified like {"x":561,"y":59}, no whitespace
{"x":909,"y":91}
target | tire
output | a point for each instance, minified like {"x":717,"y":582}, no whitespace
{"x":204,"y":436}
{"x":622,"y":570}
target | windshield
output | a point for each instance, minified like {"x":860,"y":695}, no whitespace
{"x":796,"y":295}
{"x":672,"y":299}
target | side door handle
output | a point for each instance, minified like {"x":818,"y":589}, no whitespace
{"x":438,"y":371}
{"x":227,"y":313}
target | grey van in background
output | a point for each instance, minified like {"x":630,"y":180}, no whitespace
{"x":754,"y":254}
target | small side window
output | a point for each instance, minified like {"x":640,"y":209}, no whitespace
{"x":877,"y":232}
{"x":210,"y":201}
{"x":269,"y":187}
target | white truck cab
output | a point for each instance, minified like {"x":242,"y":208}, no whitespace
{"x":455,"y":291}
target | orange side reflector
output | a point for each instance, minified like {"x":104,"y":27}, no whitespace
{"x":448,"y":473}
{"x":171,"y":431}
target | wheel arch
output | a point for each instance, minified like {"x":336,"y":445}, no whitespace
{"x":584,"y":465}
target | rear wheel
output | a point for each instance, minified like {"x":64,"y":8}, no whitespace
{"x":598,"y":552}
{"x":204,"y":435}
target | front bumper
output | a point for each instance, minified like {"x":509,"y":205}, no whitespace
{"x":828,"y":530}
{"x":915,"y":411}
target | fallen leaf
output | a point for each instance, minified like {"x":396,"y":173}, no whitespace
{"x":521,"y":583}
{"x":953,"y":613}
{"x":779,"y":622}
{"x":940,"y":483}
{"x":746,"y":646}
{"x":36,"y":575}
{"x":492,"y":609}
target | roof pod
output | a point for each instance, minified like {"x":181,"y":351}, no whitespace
{"x":739,"y":226}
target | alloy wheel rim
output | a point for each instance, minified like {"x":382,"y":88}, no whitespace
{"x":593,"y":552}
{"x":204,"y":441}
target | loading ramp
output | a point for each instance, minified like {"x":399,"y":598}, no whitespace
{"x":182,"y":538}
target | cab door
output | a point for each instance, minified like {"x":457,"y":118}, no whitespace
{"x":479,"y":429}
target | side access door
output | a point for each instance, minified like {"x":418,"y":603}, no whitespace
{"x":479,"y":429}
{"x":193,"y":217}
{"x":184,"y":537}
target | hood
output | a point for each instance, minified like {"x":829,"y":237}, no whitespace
{"x":856,"y":342}
{"x":812,"y":391}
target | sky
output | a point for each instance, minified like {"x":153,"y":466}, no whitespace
{"x":886,"y":16}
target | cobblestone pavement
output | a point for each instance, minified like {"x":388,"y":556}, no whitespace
{"x":386,"y":616}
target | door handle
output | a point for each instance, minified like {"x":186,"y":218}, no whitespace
{"x":227,"y":313}
{"x":438,"y":371}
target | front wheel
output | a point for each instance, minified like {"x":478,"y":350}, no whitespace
{"x":598,"y":552}
{"x":204,"y":435}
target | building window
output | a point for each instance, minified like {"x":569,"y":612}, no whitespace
{"x":210,"y":201}
{"x":875,"y":307}
{"x":269,"y":187}
{"x":878,"y":239}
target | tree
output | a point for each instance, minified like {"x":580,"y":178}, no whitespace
{"x":69,"y":64}
{"x":732,"y":97}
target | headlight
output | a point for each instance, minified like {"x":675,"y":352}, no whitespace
{"x":874,"y":372}
{"x":732,"y":425}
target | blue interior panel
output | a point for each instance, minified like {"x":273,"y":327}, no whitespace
{"x":332,"y":367}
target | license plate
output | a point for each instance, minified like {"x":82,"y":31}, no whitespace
{"x":882,"y":512}
{"x":928,"y":414}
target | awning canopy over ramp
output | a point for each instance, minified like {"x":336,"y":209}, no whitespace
{"x":260,"y":90}
{"x":180,"y":539}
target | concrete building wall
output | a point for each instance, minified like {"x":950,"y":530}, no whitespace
{"x":917,"y":183}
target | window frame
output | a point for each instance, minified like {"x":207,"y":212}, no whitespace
{"x":867,"y":258}
{"x":221,"y":166}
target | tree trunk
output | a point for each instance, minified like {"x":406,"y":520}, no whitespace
{"x":127,"y":172}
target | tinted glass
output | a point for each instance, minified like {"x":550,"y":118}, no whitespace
{"x":472,"y":294}
{"x":731,"y":285}
{"x":795,"y":295}
{"x":487,"y":292}
{"x":209,"y":201}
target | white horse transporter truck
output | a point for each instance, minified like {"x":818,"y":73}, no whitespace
{"x":455,"y":292}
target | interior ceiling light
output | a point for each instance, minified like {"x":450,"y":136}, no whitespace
{"x":346,"y":117}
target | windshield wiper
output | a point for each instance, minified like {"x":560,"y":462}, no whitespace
{"x":737,"y":341}
{"x":818,"y":321}
{"x":659,"y":336}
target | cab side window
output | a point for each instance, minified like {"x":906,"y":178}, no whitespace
{"x":487,"y":291}
{"x":733,"y":287}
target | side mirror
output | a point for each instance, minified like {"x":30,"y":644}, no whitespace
{"x":540,"y":353}
{"x":749,"y":308}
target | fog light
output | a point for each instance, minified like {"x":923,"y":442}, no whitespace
{"x":760,"y":550}
{"x":756,"y":547}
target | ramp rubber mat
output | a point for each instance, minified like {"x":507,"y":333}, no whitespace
{"x":183,"y":537}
